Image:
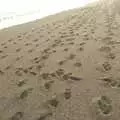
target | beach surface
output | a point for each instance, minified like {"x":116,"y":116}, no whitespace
{"x":63,"y":67}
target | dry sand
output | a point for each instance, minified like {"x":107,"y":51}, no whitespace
{"x":63,"y":67}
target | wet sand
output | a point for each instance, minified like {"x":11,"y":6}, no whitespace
{"x":63,"y":67}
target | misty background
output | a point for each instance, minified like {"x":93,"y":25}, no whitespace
{"x":13,"y":12}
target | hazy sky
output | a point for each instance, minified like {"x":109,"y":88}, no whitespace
{"x":42,"y":5}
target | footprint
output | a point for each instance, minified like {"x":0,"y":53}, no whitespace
{"x":30,"y":50}
{"x":69,"y":39}
{"x":48,"y":84}
{"x":14,"y":43}
{"x":30,"y":67}
{"x":36,"y":58}
{"x":53,"y":101}
{"x":66,"y":49}
{"x":25,"y":93}
{"x":33,"y":73}
{"x":83,"y":43}
{"x":44,"y":116}
{"x":17,"y":116}
{"x":71,"y":56}
{"x":18,"y":73}
{"x":67,"y":94}
{"x":60,"y":72}
{"x":54,"y":45}
{"x":37,"y":45}
{"x":107,"y":79}
{"x":35,"y":40}
{"x":81,"y":49}
{"x":47,"y":40}
{"x":25,"y":71}
{"x":71,"y":43}
{"x":61,"y":62}
{"x":8,"y":67}
{"x":27,"y":44}
{"x":110,"y":81}
{"x":46,"y":50}
{"x":75,"y":78}
{"x":86,"y":38}
{"x":104,"y":105}
{"x":111,"y":56}
{"x":20,"y":68}
{"x":5,"y":46}
{"x":1,"y":72}
{"x":105,"y":49}
{"x":39,"y":67}
{"x":111,"y":34}
{"x":19,"y":36}
{"x":108,"y":38}
{"x":62,"y":44}
{"x":4,"y":56}
{"x":18,"y":49}
{"x":78,"y":64}
{"x":37,"y":61}
{"x":53,"y":74}
{"x":92,"y":31}
{"x":18,"y":58}
{"x":45,"y":76}
{"x":21,"y":83}
{"x":107,"y":66}
{"x":66,"y":76}
{"x":1,"y":51}
{"x":54,"y":51}
{"x":10,"y":40}
{"x":44,"y":57}
{"x":20,"y":39}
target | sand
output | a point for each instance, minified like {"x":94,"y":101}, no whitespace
{"x":63,"y":67}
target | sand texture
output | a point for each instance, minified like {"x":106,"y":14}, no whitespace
{"x":64,"y":67}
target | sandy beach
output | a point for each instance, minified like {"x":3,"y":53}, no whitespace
{"x":63,"y":67}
